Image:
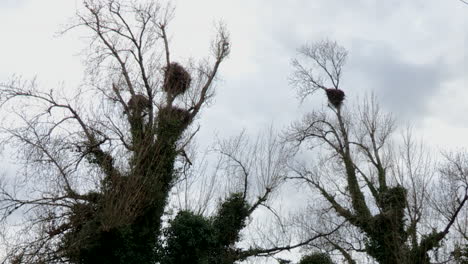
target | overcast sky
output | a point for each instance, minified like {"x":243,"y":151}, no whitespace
{"x":412,"y":54}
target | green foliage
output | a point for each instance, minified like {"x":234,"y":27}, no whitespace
{"x":230,"y":219}
{"x":196,"y":239}
{"x":171,"y":121}
{"x":189,"y":239}
{"x":460,"y":254}
{"x":152,"y":171}
{"x":386,"y":234}
{"x":111,"y":246}
{"x":316,"y":258}
{"x":87,"y":242}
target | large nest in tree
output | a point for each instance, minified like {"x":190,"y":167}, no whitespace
{"x":173,"y":113}
{"x":335,"y":96}
{"x":170,"y":118}
{"x":394,"y":197}
{"x":176,"y":80}
{"x":138,"y":102}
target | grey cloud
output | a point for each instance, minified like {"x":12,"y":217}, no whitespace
{"x":403,"y":87}
{"x":254,"y":101}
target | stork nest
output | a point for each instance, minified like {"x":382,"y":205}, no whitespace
{"x":335,"y":96}
{"x":176,"y":80}
{"x":138,"y":102}
{"x":172,"y":118}
{"x":394,"y":197}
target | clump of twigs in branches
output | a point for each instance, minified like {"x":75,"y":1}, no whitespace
{"x":172,"y":118}
{"x":176,"y":80}
{"x":138,"y":102}
{"x":335,"y":96}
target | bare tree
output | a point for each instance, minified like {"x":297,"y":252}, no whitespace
{"x":99,"y":164}
{"x":383,"y":192}
{"x":254,"y":169}
{"x":249,"y":175}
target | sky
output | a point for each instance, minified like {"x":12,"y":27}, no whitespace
{"x":413,"y":55}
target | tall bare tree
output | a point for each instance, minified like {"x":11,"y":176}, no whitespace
{"x":249,"y":176}
{"x":99,"y":164}
{"x":383,"y":192}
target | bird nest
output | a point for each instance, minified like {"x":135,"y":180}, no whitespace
{"x":335,"y":96}
{"x":168,"y":113}
{"x":170,"y":118}
{"x":176,"y":80}
{"x":138,"y":102}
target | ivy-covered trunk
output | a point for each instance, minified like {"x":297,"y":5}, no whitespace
{"x":154,"y":169}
